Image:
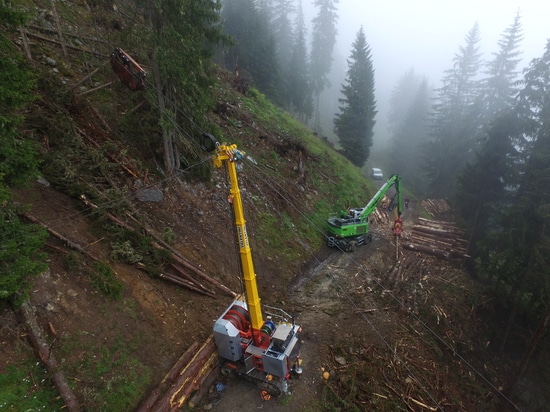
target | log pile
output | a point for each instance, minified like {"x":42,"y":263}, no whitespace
{"x":435,"y":207}
{"x":380,"y":216}
{"x":188,"y":380}
{"x":438,"y":238}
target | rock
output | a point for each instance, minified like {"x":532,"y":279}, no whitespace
{"x":340,"y":360}
{"x":43,"y":181}
{"x":150,"y":195}
{"x":51,"y":62}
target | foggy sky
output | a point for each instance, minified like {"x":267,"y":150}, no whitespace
{"x":426,"y":34}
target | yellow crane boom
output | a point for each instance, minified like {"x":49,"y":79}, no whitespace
{"x":228,"y":155}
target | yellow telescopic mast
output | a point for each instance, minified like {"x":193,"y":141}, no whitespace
{"x":229,"y":154}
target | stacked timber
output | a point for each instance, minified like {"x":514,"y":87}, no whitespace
{"x":435,"y":207}
{"x":438,"y":238}
{"x":191,"y":376}
{"x":380,"y":216}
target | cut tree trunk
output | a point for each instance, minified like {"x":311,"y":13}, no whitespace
{"x":36,"y":336}
{"x":148,"y":403}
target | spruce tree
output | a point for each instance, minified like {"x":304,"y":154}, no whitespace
{"x":410,"y":135}
{"x":254,"y":48}
{"x":456,"y":118}
{"x":514,"y":252}
{"x":184,"y":35}
{"x":500,"y":86}
{"x":322,"y":45}
{"x":402,"y":95}
{"x":355,"y":123}
{"x":299,"y":92}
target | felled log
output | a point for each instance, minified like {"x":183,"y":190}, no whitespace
{"x":148,"y":403}
{"x":435,"y":232}
{"x":175,"y":396}
{"x":203,"y":388}
{"x":435,"y":206}
{"x":186,"y":283}
{"x":195,"y":382}
{"x":25,"y":43}
{"x":435,"y":243}
{"x":66,"y":34}
{"x":95,"y":89}
{"x":441,"y":223}
{"x":46,"y":39}
{"x":65,"y":240}
{"x":182,"y":261}
{"x":161,"y":245}
{"x":27,"y":316}
{"x":59,"y":32}
{"x":426,"y":249}
{"x":182,"y":273}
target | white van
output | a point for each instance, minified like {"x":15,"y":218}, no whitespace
{"x":376,"y":173}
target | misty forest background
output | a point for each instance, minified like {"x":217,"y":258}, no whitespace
{"x":481,"y":139}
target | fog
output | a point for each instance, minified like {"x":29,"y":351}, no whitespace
{"x":425,"y":35}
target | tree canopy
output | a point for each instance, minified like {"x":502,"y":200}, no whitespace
{"x":355,"y":123}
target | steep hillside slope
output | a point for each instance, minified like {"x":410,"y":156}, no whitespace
{"x":116,"y":327}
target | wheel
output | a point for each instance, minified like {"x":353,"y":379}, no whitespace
{"x":352,"y":247}
{"x":227,"y":371}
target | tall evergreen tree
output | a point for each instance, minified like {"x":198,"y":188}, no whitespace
{"x":456,"y":118}
{"x":299,"y":81}
{"x":483,"y":190}
{"x":516,"y":255}
{"x":255,"y":48}
{"x":500,"y":87}
{"x":402,"y":95}
{"x":184,"y":34}
{"x":355,"y":123}
{"x":533,"y":194}
{"x":410,"y":135}
{"x":322,"y":45}
{"x":283,"y":30}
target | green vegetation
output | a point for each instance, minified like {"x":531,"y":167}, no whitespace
{"x":19,"y":161}
{"x":111,"y":378}
{"x":100,"y":274}
{"x":25,"y":387}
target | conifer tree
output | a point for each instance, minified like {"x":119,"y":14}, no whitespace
{"x":185,"y":33}
{"x":355,"y":123}
{"x":500,"y":86}
{"x":299,"y":81}
{"x":483,"y":193}
{"x":456,"y":118}
{"x":410,"y":136}
{"x":402,"y":95}
{"x":254,"y":48}
{"x":514,"y":253}
{"x":322,"y":45}
{"x":283,"y":30}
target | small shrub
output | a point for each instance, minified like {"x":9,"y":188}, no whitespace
{"x":103,"y":277}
